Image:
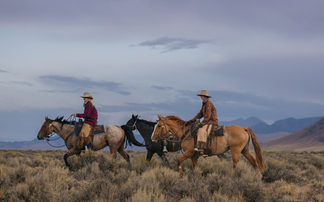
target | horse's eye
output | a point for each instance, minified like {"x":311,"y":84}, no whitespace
{"x":159,"y":126}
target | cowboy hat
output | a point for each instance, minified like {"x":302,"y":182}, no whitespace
{"x":86,"y":95}
{"x":204,"y":93}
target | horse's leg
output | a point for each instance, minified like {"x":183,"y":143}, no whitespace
{"x":249,"y":157}
{"x":187,"y":154}
{"x":194,"y":160}
{"x":235,"y":156}
{"x":113,"y":152}
{"x":124,"y":154}
{"x":71,"y":152}
{"x":162,"y":156}
{"x":149,"y":155}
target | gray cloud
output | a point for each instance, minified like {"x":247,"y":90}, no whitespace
{"x":87,"y":83}
{"x":25,"y":83}
{"x":171,"y":44}
{"x":60,"y":91}
{"x":3,"y":71}
{"x":161,"y":87}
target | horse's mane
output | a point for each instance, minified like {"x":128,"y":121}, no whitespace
{"x":175,"y":118}
{"x":64,"y":121}
{"x":147,"y":122}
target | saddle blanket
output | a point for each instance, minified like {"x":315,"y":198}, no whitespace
{"x":97,"y":129}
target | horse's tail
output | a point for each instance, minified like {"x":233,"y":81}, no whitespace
{"x":130,"y":138}
{"x":257,"y":149}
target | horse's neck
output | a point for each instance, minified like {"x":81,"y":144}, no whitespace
{"x":179,"y":131}
{"x":144,"y":130}
{"x":64,"y":132}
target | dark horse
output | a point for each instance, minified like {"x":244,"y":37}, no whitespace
{"x":113,"y":136}
{"x":146,"y":129}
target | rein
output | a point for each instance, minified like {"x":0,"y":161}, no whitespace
{"x":183,"y":137}
{"x":73,"y":119}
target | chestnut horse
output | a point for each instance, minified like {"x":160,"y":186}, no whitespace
{"x":236,"y":139}
{"x":114,"y":137}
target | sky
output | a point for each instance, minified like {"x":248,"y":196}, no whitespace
{"x":255,"y":58}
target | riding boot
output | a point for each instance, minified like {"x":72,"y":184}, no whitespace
{"x":201,"y":151}
{"x":201,"y":147}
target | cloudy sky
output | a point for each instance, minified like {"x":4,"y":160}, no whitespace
{"x":256,"y":58}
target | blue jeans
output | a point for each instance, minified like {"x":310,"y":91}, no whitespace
{"x":89,"y":145}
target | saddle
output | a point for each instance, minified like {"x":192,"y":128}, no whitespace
{"x":96,"y":129}
{"x":217,"y":131}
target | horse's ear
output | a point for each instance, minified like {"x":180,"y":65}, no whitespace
{"x":47,"y":119}
{"x":160,"y":117}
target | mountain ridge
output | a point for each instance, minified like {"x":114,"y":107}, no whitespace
{"x":310,"y":138}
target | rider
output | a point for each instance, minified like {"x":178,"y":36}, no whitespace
{"x":90,"y":116}
{"x":209,"y":113}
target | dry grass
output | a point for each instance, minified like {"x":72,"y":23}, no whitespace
{"x":29,"y":175}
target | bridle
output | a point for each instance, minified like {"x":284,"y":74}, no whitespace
{"x":47,"y":138}
{"x":173,"y":134}
{"x":134,"y":127}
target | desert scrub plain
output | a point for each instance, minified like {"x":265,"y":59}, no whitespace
{"x":39,"y":175}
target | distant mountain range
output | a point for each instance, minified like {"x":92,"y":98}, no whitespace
{"x":249,"y":122}
{"x":57,"y":144}
{"x":289,"y":125}
{"x":278,"y":129}
{"x":310,"y":138}
{"x":264,"y":132}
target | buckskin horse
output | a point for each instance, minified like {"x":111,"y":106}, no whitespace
{"x":235,"y":138}
{"x":113,"y":136}
{"x":145,"y":128}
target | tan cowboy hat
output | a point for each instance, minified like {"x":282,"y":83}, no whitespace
{"x":86,"y":95}
{"x":204,"y":93}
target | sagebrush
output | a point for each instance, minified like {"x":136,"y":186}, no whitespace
{"x":36,"y":175}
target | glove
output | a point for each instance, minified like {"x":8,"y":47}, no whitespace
{"x":200,"y":125}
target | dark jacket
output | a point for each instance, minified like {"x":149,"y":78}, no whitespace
{"x":209,"y":112}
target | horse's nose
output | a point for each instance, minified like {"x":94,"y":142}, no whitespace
{"x":154,"y":139}
{"x":40,"y":137}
